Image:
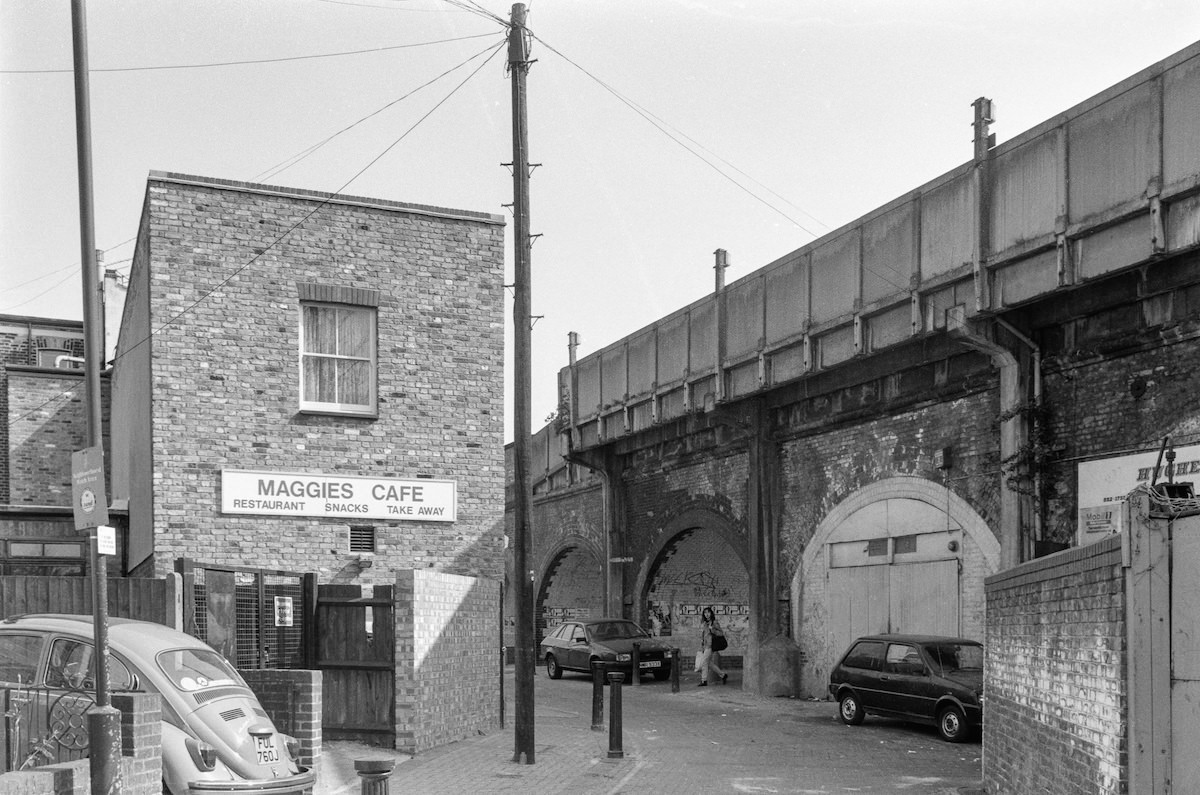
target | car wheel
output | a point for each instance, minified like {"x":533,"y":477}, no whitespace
{"x":849,"y":710}
{"x":952,"y":725}
{"x":552,"y":669}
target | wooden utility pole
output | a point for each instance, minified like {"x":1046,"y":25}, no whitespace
{"x":104,"y":721}
{"x":522,"y":586}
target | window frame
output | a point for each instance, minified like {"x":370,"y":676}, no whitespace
{"x":370,"y":409}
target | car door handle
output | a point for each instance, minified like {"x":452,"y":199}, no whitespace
{"x":885,"y":679}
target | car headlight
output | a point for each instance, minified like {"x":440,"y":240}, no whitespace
{"x":623,"y":658}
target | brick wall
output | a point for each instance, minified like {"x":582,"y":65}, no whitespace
{"x":47,"y":422}
{"x":447,"y":658}
{"x":1055,"y":687}
{"x":292,"y":699}
{"x":223,"y":262}
{"x":20,"y":340}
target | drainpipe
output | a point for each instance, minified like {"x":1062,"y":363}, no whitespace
{"x":1036,"y":353}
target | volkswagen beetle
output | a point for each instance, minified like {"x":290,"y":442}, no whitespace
{"x":216,"y":737}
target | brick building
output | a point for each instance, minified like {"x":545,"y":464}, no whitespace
{"x":854,"y":437}
{"x":42,"y":400}
{"x":310,"y":382}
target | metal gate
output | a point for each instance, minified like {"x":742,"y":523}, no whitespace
{"x":356,"y":652}
{"x":257,"y":618}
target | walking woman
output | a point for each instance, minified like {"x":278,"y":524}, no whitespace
{"x":709,"y":658}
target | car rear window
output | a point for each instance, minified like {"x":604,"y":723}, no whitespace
{"x":197,"y":669}
{"x":865,"y":654}
{"x":956,"y":656}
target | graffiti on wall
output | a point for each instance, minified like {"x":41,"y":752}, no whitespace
{"x":703,"y":584}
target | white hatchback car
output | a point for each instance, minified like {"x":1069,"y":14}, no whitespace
{"x":216,"y":737}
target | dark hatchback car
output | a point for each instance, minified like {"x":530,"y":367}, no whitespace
{"x":575,"y":644}
{"x":922,"y":678}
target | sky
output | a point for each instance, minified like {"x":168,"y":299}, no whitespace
{"x":662,"y":129}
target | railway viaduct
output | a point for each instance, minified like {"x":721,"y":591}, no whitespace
{"x":852,"y":437}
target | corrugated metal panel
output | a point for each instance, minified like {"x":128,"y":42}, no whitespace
{"x":1114,"y":152}
{"x":643,"y":363}
{"x":1027,"y":193}
{"x":673,"y":349}
{"x":588,"y":400}
{"x":786,"y":301}
{"x":947,"y":227}
{"x":1181,"y":124}
{"x":835,"y":271}
{"x":614,"y":376}
{"x":744,"y":317}
{"x":702,"y":348}
{"x":888,"y":253}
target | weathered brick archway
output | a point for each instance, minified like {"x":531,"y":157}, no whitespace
{"x":569,"y":584}
{"x":886,"y":509}
{"x":698,"y":559}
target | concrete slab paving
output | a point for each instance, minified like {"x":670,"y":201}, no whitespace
{"x":712,"y":739}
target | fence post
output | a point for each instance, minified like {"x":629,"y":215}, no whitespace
{"x":614,"y":716}
{"x":597,"y":695}
{"x":674,"y":670}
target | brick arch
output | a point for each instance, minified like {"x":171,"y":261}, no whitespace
{"x":697,"y":515}
{"x":549,"y":563}
{"x":811,"y":615}
{"x":900,"y":487}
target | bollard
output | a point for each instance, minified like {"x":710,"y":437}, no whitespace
{"x":598,"y":670}
{"x":614,"y":716}
{"x":674,"y":670}
{"x":374,"y":774}
{"x":635,"y":671}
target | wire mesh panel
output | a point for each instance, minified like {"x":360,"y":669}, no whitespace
{"x":257,"y":618}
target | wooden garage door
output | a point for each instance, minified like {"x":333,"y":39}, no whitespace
{"x":897,"y":597}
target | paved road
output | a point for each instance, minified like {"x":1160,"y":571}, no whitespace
{"x":713,"y":739}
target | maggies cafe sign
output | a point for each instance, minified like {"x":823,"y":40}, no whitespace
{"x":292,"y":494}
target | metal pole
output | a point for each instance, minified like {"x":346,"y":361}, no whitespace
{"x":104,"y":722}
{"x":598,"y":672}
{"x":523,"y":734}
{"x":615,"y":751}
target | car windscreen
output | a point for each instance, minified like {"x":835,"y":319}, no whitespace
{"x":956,"y":656}
{"x":197,"y":669}
{"x":616,"y":630}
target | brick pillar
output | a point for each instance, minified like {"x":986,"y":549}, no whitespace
{"x":141,"y":742}
{"x":292,"y":699}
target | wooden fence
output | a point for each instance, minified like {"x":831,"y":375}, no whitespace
{"x":157,"y":600}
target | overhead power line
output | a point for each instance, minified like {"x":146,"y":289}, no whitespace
{"x":248,"y":62}
{"x":662,"y":127}
{"x":325,"y":201}
{"x":284,"y":165}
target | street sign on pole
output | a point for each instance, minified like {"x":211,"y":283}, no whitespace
{"x":88,"y":497}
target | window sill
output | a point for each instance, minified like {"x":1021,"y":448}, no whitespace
{"x":353,"y":415}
